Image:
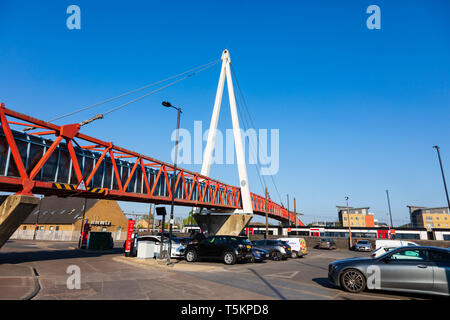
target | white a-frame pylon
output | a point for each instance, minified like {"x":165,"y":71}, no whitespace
{"x":240,"y":155}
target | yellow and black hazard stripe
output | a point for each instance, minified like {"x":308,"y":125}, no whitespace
{"x":73,"y":187}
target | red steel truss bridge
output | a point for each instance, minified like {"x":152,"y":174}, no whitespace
{"x":55,"y":159}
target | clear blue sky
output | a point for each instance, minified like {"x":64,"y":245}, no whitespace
{"x":358,"y":110}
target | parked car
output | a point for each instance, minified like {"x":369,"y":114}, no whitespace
{"x":414,"y":269}
{"x":383,"y":246}
{"x":278,"y":250}
{"x":298,"y":246}
{"x":363,"y":245}
{"x":229,"y":249}
{"x":259,"y":255}
{"x":327,"y":243}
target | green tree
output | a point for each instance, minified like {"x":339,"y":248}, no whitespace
{"x":190,"y":219}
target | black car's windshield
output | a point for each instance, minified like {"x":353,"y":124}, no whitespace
{"x":179,"y":240}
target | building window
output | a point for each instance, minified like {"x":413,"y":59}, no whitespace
{"x":24,"y":228}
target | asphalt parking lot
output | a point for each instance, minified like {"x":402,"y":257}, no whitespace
{"x":38,"y":270}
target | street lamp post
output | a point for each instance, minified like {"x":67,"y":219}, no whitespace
{"x":443,"y":177}
{"x":349,"y":228}
{"x":169,"y":105}
{"x":390,"y":213}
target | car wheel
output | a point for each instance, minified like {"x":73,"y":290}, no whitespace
{"x":191,"y":256}
{"x":353,"y":281}
{"x":294,"y":254}
{"x":229,"y":258}
{"x":276,"y":255}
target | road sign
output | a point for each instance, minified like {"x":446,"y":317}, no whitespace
{"x":161,"y":211}
{"x":81,"y":186}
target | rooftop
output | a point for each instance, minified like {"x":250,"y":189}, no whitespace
{"x":59,"y":210}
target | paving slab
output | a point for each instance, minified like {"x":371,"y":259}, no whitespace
{"x":17,"y":282}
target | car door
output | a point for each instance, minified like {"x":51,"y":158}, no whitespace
{"x":406,"y":268}
{"x":441,"y":270}
{"x":219,"y":247}
{"x":205,"y":247}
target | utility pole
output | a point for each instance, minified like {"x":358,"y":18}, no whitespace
{"x":390,"y":213}
{"x":443,"y":176}
{"x":289,"y":220}
{"x":349,"y":228}
{"x":154,"y":220}
{"x":149,"y":216}
{"x":267,"y":215}
{"x":295,"y":212}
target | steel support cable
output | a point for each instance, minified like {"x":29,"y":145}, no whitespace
{"x":101,"y":116}
{"x":251,"y":149}
{"x":246,"y":126}
{"x":257,"y":168}
{"x":207,"y":65}
{"x":252,"y":123}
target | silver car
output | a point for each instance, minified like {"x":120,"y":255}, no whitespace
{"x":410,"y":269}
{"x":363,"y":245}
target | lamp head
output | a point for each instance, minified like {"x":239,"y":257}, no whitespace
{"x":167,"y":104}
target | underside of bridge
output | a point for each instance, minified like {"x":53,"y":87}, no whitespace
{"x":222,"y":223}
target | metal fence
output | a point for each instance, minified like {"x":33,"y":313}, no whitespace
{"x":53,"y":235}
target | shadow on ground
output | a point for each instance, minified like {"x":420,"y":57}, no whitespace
{"x":324,"y":283}
{"x":43,"y":255}
{"x":412,"y":296}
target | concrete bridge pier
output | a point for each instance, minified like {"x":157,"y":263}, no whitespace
{"x":222,"y":224}
{"x":14,"y":209}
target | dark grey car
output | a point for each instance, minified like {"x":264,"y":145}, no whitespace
{"x":409,"y":269}
{"x":278,"y":249}
{"x":326,"y":243}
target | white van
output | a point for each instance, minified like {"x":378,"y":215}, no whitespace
{"x":298,"y":246}
{"x":383,"y":246}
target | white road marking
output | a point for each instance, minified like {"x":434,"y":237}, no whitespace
{"x":284,"y":275}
